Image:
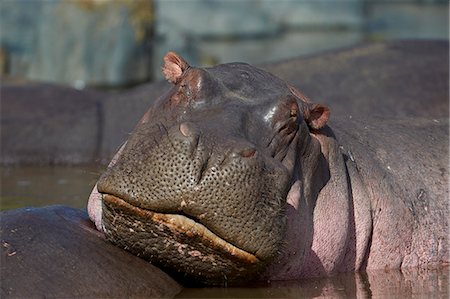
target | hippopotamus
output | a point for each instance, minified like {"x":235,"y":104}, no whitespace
{"x":235,"y":175}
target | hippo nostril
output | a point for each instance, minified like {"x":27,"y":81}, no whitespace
{"x":248,"y":153}
{"x":184,"y":129}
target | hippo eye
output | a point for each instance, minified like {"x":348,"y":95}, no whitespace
{"x":294,"y":110}
{"x":245,"y":75}
{"x":185,"y":89}
{"x":285,"y":113}
{"x":180,"y":97}
{"x":285,"y":123}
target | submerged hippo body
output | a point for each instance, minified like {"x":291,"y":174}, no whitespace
{"x":235,"y":175}
{"x":56,"y":252}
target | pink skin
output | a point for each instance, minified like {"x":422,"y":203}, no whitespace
{"x":94,"y":208}
{"x":314,"y":247}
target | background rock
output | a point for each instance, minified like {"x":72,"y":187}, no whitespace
{"x":78,"y":43}
{"x":118,"y":43}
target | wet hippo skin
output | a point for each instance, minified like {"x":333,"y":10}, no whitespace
{"x":55,"y":252}
{"x":235,"y":175}
{"x":44,"y":124}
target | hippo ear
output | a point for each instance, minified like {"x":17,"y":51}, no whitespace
{"x":317,"y":115}
{"x":174,"y":66}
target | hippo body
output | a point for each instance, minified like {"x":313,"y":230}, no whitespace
{"x":56,"y":252}
{"x":394,"y":213}
{"x":234,"y":175}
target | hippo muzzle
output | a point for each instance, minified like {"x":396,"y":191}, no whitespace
{"x":200,"y":187}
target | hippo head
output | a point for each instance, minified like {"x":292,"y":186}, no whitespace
{"x":201,"y":185}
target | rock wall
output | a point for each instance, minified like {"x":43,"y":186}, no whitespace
{"x":78,"y":43}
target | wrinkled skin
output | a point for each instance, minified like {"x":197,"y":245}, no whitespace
{"x":235,"y":175}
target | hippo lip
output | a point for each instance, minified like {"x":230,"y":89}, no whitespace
{"x":182,"y":224}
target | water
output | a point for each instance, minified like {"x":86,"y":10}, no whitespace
{"x":71,"y":186}
{"x":41,"y":186}
{"x":376,"y":284}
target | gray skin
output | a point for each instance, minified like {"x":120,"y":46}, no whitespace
{"x":56,"y":252}
{"x":235,"y":175}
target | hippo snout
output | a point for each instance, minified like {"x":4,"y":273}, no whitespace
{"x":220,"y":186}
{"x":218,"y":183}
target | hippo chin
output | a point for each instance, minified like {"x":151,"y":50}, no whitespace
{"x":235,"y":175}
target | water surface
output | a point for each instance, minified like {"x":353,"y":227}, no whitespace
{"x":376,"y":284}
{"x":36,"y":186}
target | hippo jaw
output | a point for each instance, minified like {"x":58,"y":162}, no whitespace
{"x":201,"y":185}
{"x":182,"y":225}
{"x":179,"y":241}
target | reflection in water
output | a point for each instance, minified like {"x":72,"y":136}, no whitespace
{"x":43,"y":186}
{"x":376,"y":284}
{"x":71,"y":186}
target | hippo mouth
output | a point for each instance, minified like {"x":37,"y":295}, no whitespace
{"x":180,"y":224}
{"x":182,"y":243}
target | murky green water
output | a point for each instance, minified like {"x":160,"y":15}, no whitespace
{"x":43,"y":186}
{"x":377,"y":284}
{"x":71,"y":186}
